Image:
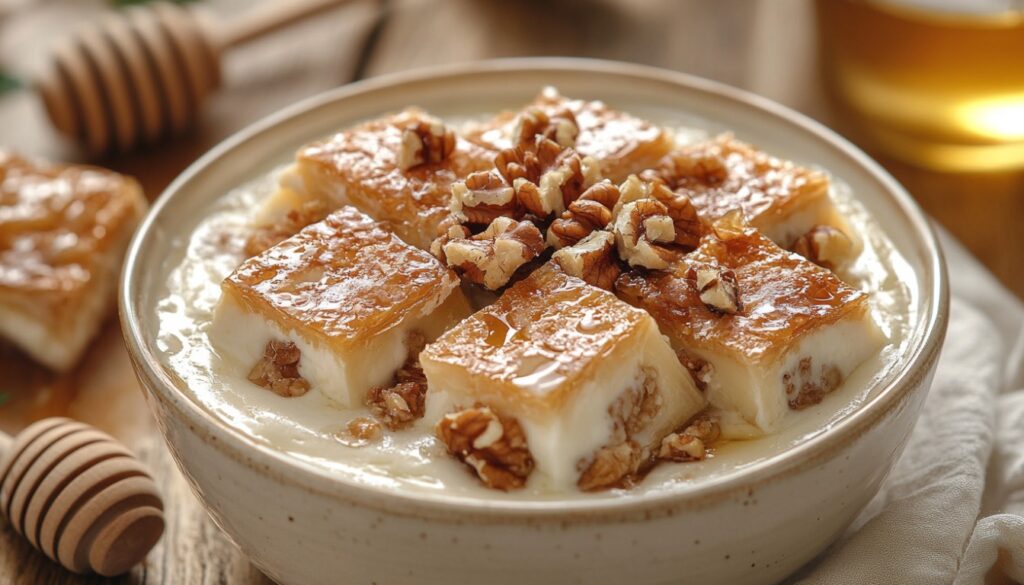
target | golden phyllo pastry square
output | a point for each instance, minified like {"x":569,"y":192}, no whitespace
{"x":63,"y":233}
{"x":589,"y":379}
{"x":398,"y":169}
{"x":763,"y":329}
{"x":783,"y":200}
{"x":621,"y":143}
{"x":337,"y":307}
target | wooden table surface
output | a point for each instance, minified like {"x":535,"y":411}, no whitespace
{"x":765,"y":46}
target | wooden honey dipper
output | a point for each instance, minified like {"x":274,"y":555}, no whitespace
{"x":137,"y":77}
{"x":79,"y":496}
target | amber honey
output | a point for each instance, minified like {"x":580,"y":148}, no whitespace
{"x":939,"y":83}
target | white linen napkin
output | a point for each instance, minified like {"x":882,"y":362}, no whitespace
{"x":952,"y":510}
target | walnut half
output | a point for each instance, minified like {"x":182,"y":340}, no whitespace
{"x":643,"y":231}
{"x":491,"y":257}
{"x":592,"y":211}
{"x":493,"y":445}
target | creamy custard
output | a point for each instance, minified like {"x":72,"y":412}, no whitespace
{"x":312,"y":427}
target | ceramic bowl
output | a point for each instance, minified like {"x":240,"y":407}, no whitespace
{"x":300,"y":524}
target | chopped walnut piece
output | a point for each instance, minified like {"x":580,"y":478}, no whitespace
{"x":278,"y":370}
{"x":687,"y":223}
{"x":592,"y":259}
{"x":425,"y":141}
{"x":491,"y":257}
{"x":700,"y":369}
{"x":268,"y":236}
{"x":483,"y":197}
{"x":360,"y":431}
{"x":397,"y":406}
{"x":693,"y":443}
{"x":687,"y":169}
{"x":610,"y":466}
{"x":559,"y":126}
{"x":642,"y":231}
{"x":803,"y":390}
{"x":592,"y":211}
{"x":527,"y":161}
{"x":824,"y":245}
{"x":622,"y":457}
{"x":454,"y":232}
{"x":493,"y":445}
{"x":718,"y":288}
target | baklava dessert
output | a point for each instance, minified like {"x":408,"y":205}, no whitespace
{"x":563,"y":299}
{"x":63,"y":232}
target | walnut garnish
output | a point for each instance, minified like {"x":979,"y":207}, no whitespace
{"x":278,"y":370}
{"x":397,"y":406}
{"x":687,"y":223}
{"x":592,"y":259}
{"x":546,"y":177}
{"x":491,"y":257}
{"x":717,"y":287}
{"x":559,"y":126}
{"x":803,"y":390}
{"x":425,"y":141}
{"x":692,"y":443}
{"x":622,"y":457}
{"x":360,"y":431}
{"x":610,"y":466}
{"x":700,"y":369}
{"x":643,"y":231}
{"x":493,"y":445}
{"x":482,"y":197}
{"x":455,"y":231}
{"x":591,"y":211}
{"x":268,"y":236}
{"x":824,"y":245}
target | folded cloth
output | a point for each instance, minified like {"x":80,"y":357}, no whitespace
{"x":952,"y":510}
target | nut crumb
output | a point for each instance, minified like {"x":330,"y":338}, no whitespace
{"x":824,"y":245}
{"x":693,"y":443}
{"x":278,"y":370}
{"x":718,"y":288}
{"x":493,"y":445}
{"x":361,"y":431}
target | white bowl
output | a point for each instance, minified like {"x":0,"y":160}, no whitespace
{"x":300,"y":524}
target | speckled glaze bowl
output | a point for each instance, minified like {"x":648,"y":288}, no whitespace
{"x":301,"y":524}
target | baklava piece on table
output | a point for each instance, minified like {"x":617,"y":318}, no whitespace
{"x":63,"y":233}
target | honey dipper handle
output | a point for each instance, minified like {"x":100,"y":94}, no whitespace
{"x":272,"y":15}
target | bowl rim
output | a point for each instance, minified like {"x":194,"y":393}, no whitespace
{"x":159,"y":384}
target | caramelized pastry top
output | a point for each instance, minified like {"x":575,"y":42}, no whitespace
{"x":781,"y":297}
{"x":725,"y":174}
{"x":541,"y":340}
{"x":60,"y":223}
{"x":623,"y":144}
{"x":345,"y":278}
{"x":364,"y":161}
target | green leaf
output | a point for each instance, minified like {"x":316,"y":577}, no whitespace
{"x":8,"y":82}
{"x":4,"y":398}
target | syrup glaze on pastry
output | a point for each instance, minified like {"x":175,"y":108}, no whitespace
{"x":479,"y":428}
{"x":63,"y":231}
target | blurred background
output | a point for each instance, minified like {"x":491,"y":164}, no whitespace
{"x":933,"y":89}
